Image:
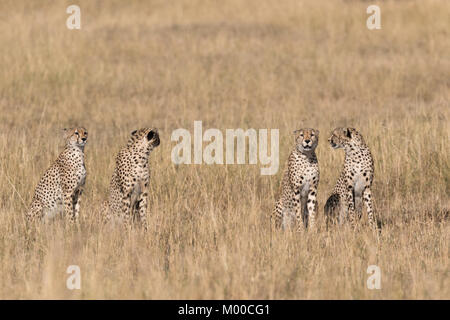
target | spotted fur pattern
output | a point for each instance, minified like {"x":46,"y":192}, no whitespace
{"x":354,"y":183}
{"x":60,"y":188}
{"x":128,"y":190}
{"x":297,"y":201}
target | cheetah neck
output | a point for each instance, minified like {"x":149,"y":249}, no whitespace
{"x":353,"y":150}
{"x":75,"y":148}
{"x":144,"y":152}
{"x":308,"y":155}
{"x":72,"y":153}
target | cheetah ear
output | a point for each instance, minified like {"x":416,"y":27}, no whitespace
{"x":150,"y":135}
{"x":66,"y":132}
{"x":134,"y":132}
{"x":297,"y":131}
{"x":316,"y":132}
{"x":348,"y":132}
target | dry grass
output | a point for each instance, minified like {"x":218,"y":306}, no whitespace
{"x":232,"y":64}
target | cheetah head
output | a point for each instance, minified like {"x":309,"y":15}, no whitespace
{"x":306,"y":139}
{"x":341,"y":137}
{"x":145,"y":137}
{"x":76,"y":136}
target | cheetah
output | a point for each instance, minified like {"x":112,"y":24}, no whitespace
{"x":299,"y":186}
{"x":129,"y":183}
{"x":59,"y":191}
{"x":354,"y":183}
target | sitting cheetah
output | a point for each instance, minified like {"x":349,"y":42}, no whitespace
{"x":299,"y":185}
{"x":61,"y":186}
{"x":129,"y":183}
{"x":355,"y":180}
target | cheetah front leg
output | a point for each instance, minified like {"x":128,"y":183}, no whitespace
{"x":142,"y":209}
{"x":350,"y":204}
{"x":34,"y":212}
{"x":303,"y":222}
{"x":343,"y":209}
{"x":298,"y":209}
{"x":277,"y":214}
{"x":311,"y":205}
{"x":77,"y":201}
{"x":126,"y":208}
{"x":69,"y":211}
{"x":367,"y":197}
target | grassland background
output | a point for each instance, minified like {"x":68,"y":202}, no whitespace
{"x":232,"y":64}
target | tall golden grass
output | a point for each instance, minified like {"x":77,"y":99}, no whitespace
{"x":232,"y":64}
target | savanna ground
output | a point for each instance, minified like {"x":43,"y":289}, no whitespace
{"x":231,"y":64}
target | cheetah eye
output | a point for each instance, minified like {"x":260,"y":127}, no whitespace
{"x":77,"y":133}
